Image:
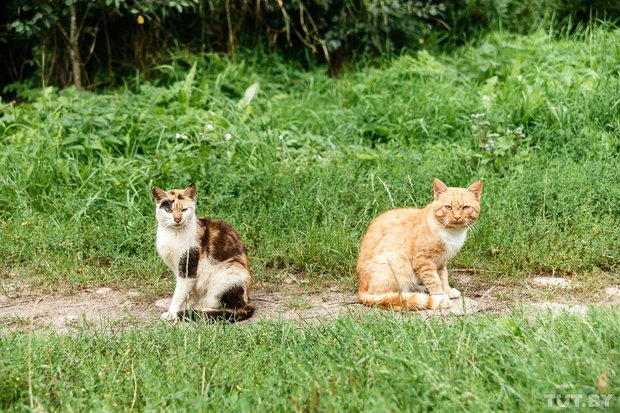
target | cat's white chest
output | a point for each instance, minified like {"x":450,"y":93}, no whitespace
{"x":172,"y":244}
{"x":453,"y":240}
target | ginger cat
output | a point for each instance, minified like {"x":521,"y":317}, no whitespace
{"x":405,"y":252}
{"x":207,"y":257}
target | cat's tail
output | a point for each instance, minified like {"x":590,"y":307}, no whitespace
{"x":402,"y":300}
{"x":231,"y":315}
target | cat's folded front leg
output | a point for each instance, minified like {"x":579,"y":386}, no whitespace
{"x":443,"y":276}
{"x":180,"y":298}
{"x":454,"y":293}
{"x":429,"y":276}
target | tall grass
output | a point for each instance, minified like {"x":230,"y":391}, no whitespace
{"x":375,"y":362}
{"x":303,"y":167}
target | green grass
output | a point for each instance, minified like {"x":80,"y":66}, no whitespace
{"x":313,"y":159}
{"x":371,"y":362}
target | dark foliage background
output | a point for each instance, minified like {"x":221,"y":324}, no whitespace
{"x":119,"y":38}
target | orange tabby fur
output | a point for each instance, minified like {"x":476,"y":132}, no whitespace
{"x":405,"y":251}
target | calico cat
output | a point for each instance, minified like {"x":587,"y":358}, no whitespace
{"x":405,"y":252}
{"x":207,"y":257}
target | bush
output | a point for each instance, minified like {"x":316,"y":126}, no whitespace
{"x":111,"y":39}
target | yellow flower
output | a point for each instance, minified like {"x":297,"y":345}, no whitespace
{"x":140,"y":19}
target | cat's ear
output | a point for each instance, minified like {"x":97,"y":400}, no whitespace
{"x":439,"y":187}
{"x":190,"y":191}
{"x":158,"y":194}
{"x":476,"y":189}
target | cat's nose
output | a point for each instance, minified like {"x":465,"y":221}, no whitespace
{"x":177,"y":219}
{"x":457,"y":219}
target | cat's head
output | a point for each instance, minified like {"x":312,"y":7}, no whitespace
{"x":456,"y":207}
{"x":175,"y":208}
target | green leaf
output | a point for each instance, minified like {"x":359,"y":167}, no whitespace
{"x":249,"y":94}
{"x":186,"y":92}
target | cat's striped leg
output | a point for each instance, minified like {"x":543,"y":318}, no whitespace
{"x":443,"y":276}
{"x":427,"y":272}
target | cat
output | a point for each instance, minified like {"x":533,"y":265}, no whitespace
{"x":405,"y":252}
{"x":207,"y":257}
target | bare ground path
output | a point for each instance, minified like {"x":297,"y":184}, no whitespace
{"x":90,"y":309}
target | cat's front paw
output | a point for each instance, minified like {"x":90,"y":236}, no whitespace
{"x":439,"y":301}
{"x":168,"y":316}
{"x":454,"y":293}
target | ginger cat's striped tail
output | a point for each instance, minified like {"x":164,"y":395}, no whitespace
{"x":409,"y":301}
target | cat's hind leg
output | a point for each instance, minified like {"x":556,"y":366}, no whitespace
{"x":392,"y":283}
{"x":229,"y":305}
{"x":227,"y":295}
{"x":389,"y":272}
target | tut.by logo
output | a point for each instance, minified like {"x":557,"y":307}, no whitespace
{"x":579,"y":400}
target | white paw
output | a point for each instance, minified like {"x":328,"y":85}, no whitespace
{"x":440,"y":301}
{"x":454,"y":293}
{"x":168,"y":316}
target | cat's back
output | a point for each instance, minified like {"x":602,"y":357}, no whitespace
{"x":394,"y":218}
{"x":220,"y":242}
{"x":394,"y":224}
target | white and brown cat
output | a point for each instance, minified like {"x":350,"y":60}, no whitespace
{"x":207,"y":257}
{"x":404,"y":254}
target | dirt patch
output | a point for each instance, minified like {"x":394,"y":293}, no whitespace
{"x":85,"y":309}
{"x":92,"y":309}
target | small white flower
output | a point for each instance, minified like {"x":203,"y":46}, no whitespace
{"x":280,"y":137}
{"x":519,"y":132}
{"x":178,"y":135}
{"x":477,"y":115}
{"x":209,"y":126}
{"x":228,"y":137}
{"x":493,"y":135}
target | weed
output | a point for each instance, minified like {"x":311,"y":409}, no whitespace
{"x":298,"y":303}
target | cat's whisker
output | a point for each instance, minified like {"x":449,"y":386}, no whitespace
{"x":164,"y":225}
{"x":471,"y":227}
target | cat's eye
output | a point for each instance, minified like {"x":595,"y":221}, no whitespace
{"x":465,"y":207}
{"x":448,"y":207}
{"x":184,"y":209}
{"x":168,"y":209}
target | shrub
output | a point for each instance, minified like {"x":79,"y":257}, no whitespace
{"x":111,"y":39}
